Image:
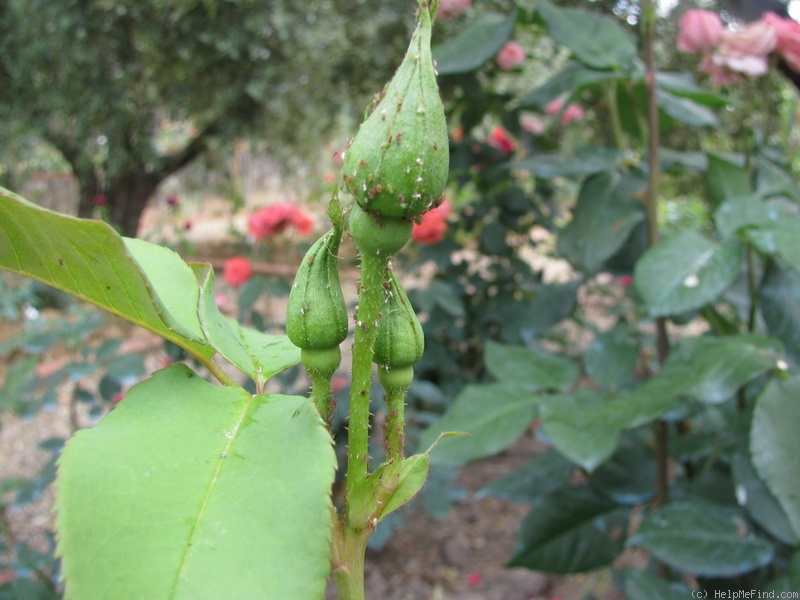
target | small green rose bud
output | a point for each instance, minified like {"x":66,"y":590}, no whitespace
{"x":399,"y":342}
{"x":316,"y":316}
{"x":398,"y":163}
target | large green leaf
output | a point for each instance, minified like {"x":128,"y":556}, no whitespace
{"x":573,"y":78}
{"x":585,"y":447}
{"x":603,"y":218}
{"x":480,"y":41}
{"x":781,"y":237}
{"x":90,"y":260}
{"x":494,"y":414}
{"x":611,"y":358}
{"x":681,"y":84}
{"x":741,"y":212}
{"x":596,"y":40}
{"x":629,"y":477}
{"x":702,"y":538}
{"x":550,"y":166}
{"x":191,"y":490}
{"x":572,"y":530}
{"x":762,"y":506}
{"x":726,"y":177}
{"x":779,"y":291}
{"x":685,"y":272}
{"x":712,"y":369}
{"x":530,"y":369}
{"x":685,"y":110}
{"x":641,"y":585}
{"x":709,"y":369}
{"x":775,"y":445}
{"x":528,"y":483}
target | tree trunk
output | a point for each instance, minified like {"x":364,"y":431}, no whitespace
{"x":127,"y":199}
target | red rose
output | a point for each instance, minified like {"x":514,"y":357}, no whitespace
{"x":433,"y":226}
{"x":500,"y":139}
{"x":237,"y":270}
{"x":273,"y":219}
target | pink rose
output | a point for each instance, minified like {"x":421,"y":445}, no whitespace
{"x":500,"y":139}
{"x":449,"y":9}
{"x":274,"y":219}
{"x":433,"y":226}
{"x":700,"y":30}
{"x":237,"y":270}
{"x":510,"y":56}
{"x":532,"y":124}
{"x":572,"y":112}
{"x":787,"y":43}
{"x":745,"y":50}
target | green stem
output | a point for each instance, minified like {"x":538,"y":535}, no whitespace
{"x":395,"y":437}
{"x":349,"y":550}
{"x":369,"y":303}
{"x":217,"y":371}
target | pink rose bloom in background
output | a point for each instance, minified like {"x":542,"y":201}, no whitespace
{"x":787,"y":39}
{"x":449,"y":9}
{"x":433,"y":226}
{"x":573,"y":112}
{"x":500,"y":139}
{"x":700,"y":30}
{"x":745,"y":50}
{"x":275,"y":218}
{"x":237,"y":270}
{"x":532,"y":124}
{"x":510,"y":56}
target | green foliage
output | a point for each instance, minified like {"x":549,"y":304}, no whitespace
{"x":218,"y":486}
{"x":711,"y":405}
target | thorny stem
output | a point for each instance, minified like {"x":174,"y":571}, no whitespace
{"x":394,"y":438}
{"x":350,"y":534}
{"x":321,"y":394}
{"x":367,"y":315}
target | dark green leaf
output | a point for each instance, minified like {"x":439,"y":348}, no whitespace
{"x":611,"y":358}
{"x":550,"y":166}
{"x":775,"y":445}
{"x":779,"y":291}
{"x":702,"y":538}
{"x":781,"y":237}
{"x":629,"y":476}
{"x":753,"y":495}
{"x":685,"y":110}
{"x":533,"y":370}
{"x":539,"y":476}
{"x":686,"y":271}
{"x":572,"y":530}
{"x":596,"y":40}
{"x":494,"y":414}
{"x":573,"y":78}
{"x":642,"y":585}
{"x":739,"y":212}
{"x":681,"y":84}
{"x":479,"y":42}
{"x":585,"y":447}
{"x":726,"y":177}
{"x":604,"y":216}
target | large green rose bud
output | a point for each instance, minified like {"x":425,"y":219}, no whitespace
{"x":316,"y":316}
{"x":398,"y":163}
